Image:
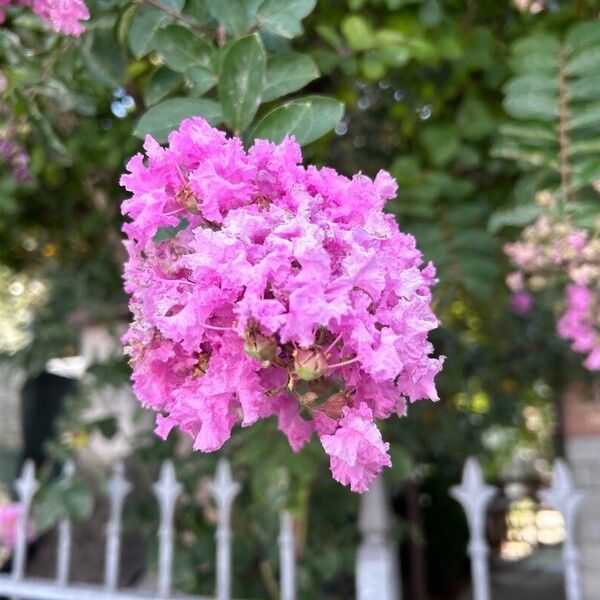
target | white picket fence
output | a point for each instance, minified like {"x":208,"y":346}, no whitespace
{"x":475,"y":495}
{"x":376,"y":567}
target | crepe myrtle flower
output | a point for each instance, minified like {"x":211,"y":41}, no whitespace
{"x":262,"y":288}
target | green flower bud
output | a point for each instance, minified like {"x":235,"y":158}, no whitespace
{"x":260,"y":347}
{"x":309,"y":364}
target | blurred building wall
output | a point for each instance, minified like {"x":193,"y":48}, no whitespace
{"x":581,"y":426}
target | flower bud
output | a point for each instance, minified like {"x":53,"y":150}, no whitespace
{"x":309,"y":364}
{"x":334,"y":405}
{"x":260,"y":347}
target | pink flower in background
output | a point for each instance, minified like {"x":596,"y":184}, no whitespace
{"x":578,"y":325}
{"x":521,"y":302}
{"x":550,"y":251}
{"x":10,"y":517}
{"x":262,"y":288}
{"x":64,"y":16}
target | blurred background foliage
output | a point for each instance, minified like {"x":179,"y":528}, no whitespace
{"x":423,"y":83}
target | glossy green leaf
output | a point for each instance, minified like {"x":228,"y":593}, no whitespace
{"x":242,"y":82}
{"x":307,"y":119}
{"x":237,"y":16}
{"x":162,"y":83}
{"x":180,"y":48}
{"x":284,"y":17}
{"x":105,"y":60}
{"x":146,"y":23}
{"x":287,"y":73}
{"x":201,"y":80}
{"x":163,"y":118}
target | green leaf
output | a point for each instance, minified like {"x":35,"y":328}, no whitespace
{"x":531,"y":132}
{"x":585,"y":88}
{"x":306,"y":118}
{"x":519,"y":216}
{"x":242,"y":82}
{"x":532,"y":83}
{"x":589,"y":146}
{"x":181,"y":48}
{"x":358,"y":33}
{"x":144,"y":27}
{"x":237,"y":16}
{"x":541,"y":107}
{"x":168,"y":233}
{"x":586,"y":117}
{"x":538,"y":157}
{"x":287,"y":73}
{"x":105,"y":60}
{"x":474,"y":119}
{"x":78,"y":501}
{"x":586,"y":172}
{"x":283,"y":17}
{"x":585,"y":62}
{"x":537,"y":53}
{"x":201,"y":80}
{"x":441,"y":143}
{"x":580,"y":35}
{"x":162,"y":83}
{"x":163,"y":118}
{"x":108,"y":426}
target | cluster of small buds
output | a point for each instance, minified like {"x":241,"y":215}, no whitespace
{"x":64,"y":16}
{"x":552,"y":252}
{"x":280,"y":290}
{"x":17,"y":159}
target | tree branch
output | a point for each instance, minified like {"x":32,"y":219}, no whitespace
{"x":183,"y":19}
{"x":563,"y":135}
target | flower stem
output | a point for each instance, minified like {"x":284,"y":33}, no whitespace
{"x":343,"y":363}
{"x":330,"y":347}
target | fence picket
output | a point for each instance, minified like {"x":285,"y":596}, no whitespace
{"x":474,"y":496}
{"x":567,"y":499}
{"x":118,"y":489}
{"x":224,"y":490}
{"x":287,"y":557}
{"x":63,"y":555}
{"x":167,"y":490}
{"x":26,"y":487}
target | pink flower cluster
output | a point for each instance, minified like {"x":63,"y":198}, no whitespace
{"x":262,"y":288}
{"x":579,"y":326}
{"x":10,"y":517}
{"x":551,"y":252}
{"x":64,"y":16}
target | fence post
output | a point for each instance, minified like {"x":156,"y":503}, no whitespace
{"x":26,"y":487}
{"x":377,"y":567}
{"x":167,"y":490}
{"x":474,"y":496}
{"x":566,"y":498}
{"x":223,"y":490}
